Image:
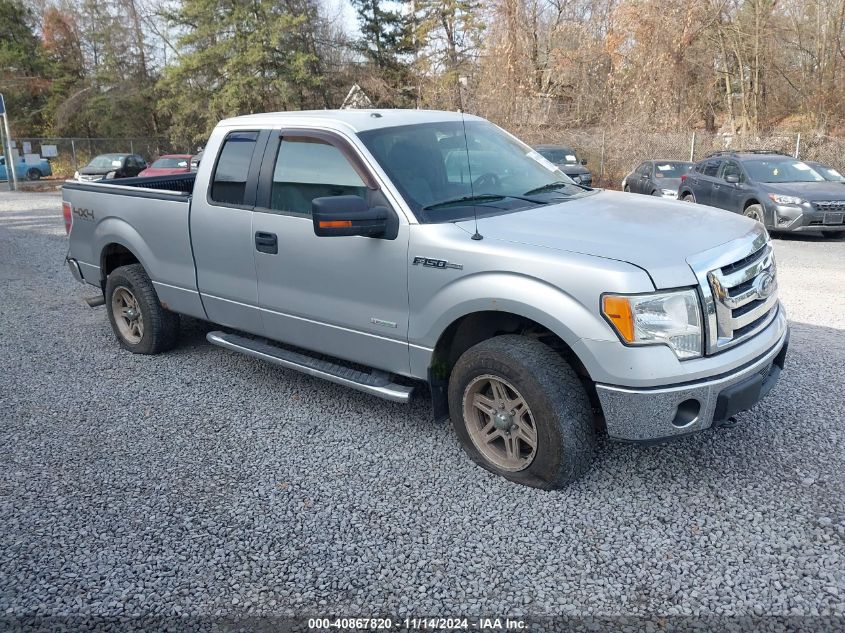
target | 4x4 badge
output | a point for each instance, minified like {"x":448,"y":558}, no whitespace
{"x":436,"y":263}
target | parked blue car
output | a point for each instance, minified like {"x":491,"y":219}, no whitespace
{"x":26,"y":172}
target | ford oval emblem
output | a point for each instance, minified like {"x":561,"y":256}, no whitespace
{"x":764,"y":285}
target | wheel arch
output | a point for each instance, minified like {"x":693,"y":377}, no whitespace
{"x":474,"y":327}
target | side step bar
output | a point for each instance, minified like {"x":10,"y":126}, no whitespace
{"x":376,"y":383}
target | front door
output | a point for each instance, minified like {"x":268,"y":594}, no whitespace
{"x":342,"y":296}
{"x":729,"y":195}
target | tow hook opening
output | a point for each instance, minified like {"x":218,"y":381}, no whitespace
{"x":687,"y":413}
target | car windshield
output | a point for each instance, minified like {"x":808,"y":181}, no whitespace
{"x":170,"y":163}
{"x":445,"y":175}
{"x":670,"y":169}
{"x":107,"y":161}
{"x":829,"y":173}
{"x":781,"y":170}
{"x":559,"y":155}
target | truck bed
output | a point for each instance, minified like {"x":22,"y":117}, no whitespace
{"x":179,"y":184}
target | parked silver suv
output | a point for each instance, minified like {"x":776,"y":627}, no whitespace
{"x":386,"y":249}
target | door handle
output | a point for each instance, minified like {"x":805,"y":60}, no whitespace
{"x":267,"y":243}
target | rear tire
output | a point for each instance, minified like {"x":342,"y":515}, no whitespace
{"x":511,"y":391}
{"x":140,"y":323}
{"x":33,"y":174}
{"x":688,"y":198}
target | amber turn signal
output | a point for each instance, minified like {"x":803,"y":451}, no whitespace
{"x":618,"y":311}
{"x":335,"y":224}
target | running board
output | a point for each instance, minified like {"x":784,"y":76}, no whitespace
{"x":376,"y":383}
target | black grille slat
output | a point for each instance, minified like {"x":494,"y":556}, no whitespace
{"x":748,"y":307}
{"x":744,"y":262}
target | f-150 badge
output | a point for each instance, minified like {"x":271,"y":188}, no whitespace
{"x":436,"y":263}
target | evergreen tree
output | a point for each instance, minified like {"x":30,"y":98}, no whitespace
{"x":240,"y":57}
{"x":24,"y":69}
{"x":387,"y":44}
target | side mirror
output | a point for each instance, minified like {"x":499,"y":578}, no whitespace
{"x":732,"y":178}
{"x":583,"y":161}
{"x":341,"y":216}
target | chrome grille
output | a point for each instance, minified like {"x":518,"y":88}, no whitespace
{"x":738,"y":283}
{"x":745,"y":296}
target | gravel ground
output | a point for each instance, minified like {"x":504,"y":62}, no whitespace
{"x":201,"y":483}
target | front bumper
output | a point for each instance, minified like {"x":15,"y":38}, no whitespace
{"x":654,"y":414}
{"x":805,"y":217}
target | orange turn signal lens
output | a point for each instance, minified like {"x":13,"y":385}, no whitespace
{"x":618,"y":310}
{"x":335,"y":224}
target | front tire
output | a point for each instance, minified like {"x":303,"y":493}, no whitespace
{"x":33,"y":174}
{"x":521,"y":412}
{"x":140,"y":323}
{"x":755,"y":212}
{"x":688,"y":198}
{"x":626,"y":189}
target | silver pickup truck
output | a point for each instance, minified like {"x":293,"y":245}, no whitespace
{"x":385,"y":249}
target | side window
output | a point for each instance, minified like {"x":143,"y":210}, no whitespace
{"x":230,"y":175}
{"x":711,"y":168}
{"x":647,"y":170}
{"x":732,"y":169}
{"x":308,"y":168}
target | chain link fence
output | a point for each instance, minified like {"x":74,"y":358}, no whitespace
{"x":67,"y":155}
{"x":613,"y":153}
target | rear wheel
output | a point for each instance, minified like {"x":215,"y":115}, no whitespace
{"x":520,"y":411}
{"x":688,"y":198}
{"x":139,"y":321}
{"x":755,"y":212}
{"x":33,"y":174}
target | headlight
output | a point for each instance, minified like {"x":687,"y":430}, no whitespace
{"x":76,"y":175}
{"x":785,"y":199}
{"x":661,"y":318}
{"x":669,"y":193}
{"x":576,"y":178}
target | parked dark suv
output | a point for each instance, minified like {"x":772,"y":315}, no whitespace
{"x":783,"y":193}
{"x":568,"y":162}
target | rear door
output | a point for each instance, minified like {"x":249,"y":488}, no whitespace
{"x":221,"y":230}
{"x":705,"y":179}
{"x":727,"y":195}
{"x":343,"y":296}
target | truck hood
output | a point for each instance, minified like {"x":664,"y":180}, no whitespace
{"x":657,"y":235}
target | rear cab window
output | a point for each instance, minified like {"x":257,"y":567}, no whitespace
{"x":231,"y":173}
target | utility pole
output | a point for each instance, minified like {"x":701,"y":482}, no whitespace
{"x":11,"y":175}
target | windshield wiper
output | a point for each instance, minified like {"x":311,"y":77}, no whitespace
{"x":482,"y":197}
{"x":552,"y":186}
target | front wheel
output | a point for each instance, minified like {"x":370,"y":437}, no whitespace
{"x":688,"y":198}
{"x":521,"y":412}
{"x":139,"y":321}
{"x":755,"y":212}
{"x":33,"y":174}
{"x":626,"y":189}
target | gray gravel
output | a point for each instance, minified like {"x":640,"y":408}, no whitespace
{"x":201,"y":482}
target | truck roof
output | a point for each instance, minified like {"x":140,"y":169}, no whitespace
{"x":353,"y":120}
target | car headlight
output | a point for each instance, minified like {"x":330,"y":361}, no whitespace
{"x":76,"y":175}
{"x":576,"y":178}
{"x":776,"y":197}
{"x":669,"y":193}
{"x":660,"y":318}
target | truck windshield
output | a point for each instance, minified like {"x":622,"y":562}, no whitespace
{"x":445,"y":175}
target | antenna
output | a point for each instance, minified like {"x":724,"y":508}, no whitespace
{"x":476,"y":235}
